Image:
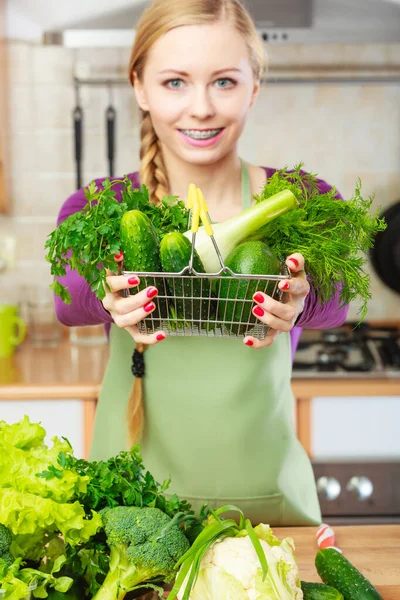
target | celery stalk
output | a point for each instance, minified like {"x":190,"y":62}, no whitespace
{"x":232,"y":232}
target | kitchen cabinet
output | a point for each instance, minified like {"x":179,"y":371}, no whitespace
{"x":59,"y":385}
{"x":306,"y":390}
{"x":61,"y":418}
{"x":4,"y":163}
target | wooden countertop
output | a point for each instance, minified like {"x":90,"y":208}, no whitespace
{"x":65,"y":371}
{"x":373,"y":549}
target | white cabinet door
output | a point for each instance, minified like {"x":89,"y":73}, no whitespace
{"x":58,"y":417}
{"x":355,"y":427}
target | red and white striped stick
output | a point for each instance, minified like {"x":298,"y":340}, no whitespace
{"x":326,"y":537}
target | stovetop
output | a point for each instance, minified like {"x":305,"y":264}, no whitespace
{"x":348,"y":351}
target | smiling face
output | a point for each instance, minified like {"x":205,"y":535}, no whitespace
{"x":198,"y":86}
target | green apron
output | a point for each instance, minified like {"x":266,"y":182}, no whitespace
{"x":218,"y":421}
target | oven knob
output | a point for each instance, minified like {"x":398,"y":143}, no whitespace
{"x":329,"y":486}
{"x":362,"y":485}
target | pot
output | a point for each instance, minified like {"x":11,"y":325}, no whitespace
{"x":385,"y":255}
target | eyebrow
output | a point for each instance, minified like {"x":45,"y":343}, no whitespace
{"x":187,"y":74}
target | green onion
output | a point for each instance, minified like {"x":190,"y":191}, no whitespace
{"x":233,"y":231}
{"x":216,"y":529}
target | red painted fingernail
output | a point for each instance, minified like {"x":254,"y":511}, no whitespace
{"x":294,"y":261}
{"x":133,"y":280}
{"x":149,"y":306}
{"x":249,"y":343}
{"x":160,"y":336}
{"x":118,"y":256}
{"x":285,"y":286}
{"x":258,"y":298}
{"x":151,"y":292}
{"x":258,"y":311}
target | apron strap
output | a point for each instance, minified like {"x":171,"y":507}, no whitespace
{"x":246,"y":187}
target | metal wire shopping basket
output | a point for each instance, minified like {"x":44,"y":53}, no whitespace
{"x":206,"y":304}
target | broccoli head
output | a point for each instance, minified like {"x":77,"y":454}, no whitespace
{"x":5,"y":545}
{"x":144,"y":548}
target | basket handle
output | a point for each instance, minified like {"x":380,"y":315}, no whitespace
{"x":193,"y":205}
{"x":204,"y":216}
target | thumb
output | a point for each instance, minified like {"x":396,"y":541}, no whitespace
{"x":295,"y":262}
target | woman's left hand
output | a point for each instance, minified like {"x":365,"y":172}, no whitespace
{"x":281,"y":316}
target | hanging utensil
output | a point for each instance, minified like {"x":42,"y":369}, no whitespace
{"x":78,"y":126}
{"x":110,"y":125}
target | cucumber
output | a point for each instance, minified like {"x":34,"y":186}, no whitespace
{"x":319,"y":591}
{"x":139,"y":242}
{"x":175,"y":251}
{"x":140,"y":245}
{"x":251,"y":258}
{"x":336,"y":570}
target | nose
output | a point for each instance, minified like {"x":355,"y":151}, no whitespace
{"x":201,"y":105}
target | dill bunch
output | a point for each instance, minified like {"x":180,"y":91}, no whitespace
{"x":333,"y":235}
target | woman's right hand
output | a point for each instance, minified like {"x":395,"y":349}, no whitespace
{"x":128,"y":311}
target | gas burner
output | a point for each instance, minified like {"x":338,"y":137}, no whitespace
{"x":330,"y":357}
{"x":335,"y":335}
{"x":350,"y":350}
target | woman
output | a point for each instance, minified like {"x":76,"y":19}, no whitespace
{"x":218,"y":415}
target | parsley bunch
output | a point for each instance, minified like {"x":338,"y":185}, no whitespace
{"x":332,"y":235}
{"x":88,"y":240}
{"x":119,"y":481}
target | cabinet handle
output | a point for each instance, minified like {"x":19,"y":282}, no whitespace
{"x":362,"y":486}
{"x":329,"y":486}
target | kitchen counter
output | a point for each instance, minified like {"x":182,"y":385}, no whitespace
{"x":373,"y":549}
{"x":76,"y":371}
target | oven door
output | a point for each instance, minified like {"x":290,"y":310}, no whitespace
{"x":355,"y":450}
{"x":358,"y":492}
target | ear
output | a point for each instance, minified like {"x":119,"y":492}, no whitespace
{"x":254,"y":94}
{"x":139,"y":92}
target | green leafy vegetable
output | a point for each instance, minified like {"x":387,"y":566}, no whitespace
{"x":144,"y":549}
{"x":88,"y":240}
{"x":37,"y":510}
{"x":119,"y":481}
{"x":332,"y":235}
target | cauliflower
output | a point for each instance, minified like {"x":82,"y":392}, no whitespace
{"x":231,"y":569}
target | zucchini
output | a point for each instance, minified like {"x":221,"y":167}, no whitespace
{"x":251,"y":258}
{"x":140,"y":245}
{"x":319,"y":591}
{"x":175,"y":251}
{"x":336,"y":570}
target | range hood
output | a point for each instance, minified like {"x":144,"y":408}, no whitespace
{"x":278,"y":21}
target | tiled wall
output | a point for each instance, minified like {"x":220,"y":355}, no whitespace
{"x":340,"y":131}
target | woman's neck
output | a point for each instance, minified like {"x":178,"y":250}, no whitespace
{"x":220,"y":182}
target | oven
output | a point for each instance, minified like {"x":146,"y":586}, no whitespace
{"x":355,"y":440}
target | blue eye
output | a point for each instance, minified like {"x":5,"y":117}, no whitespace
{"x":174,"y":84}
{"x":224,"y":82}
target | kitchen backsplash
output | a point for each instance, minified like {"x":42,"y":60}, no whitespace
{"x":341,"y":131}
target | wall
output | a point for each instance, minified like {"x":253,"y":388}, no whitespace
{"x":339,"y":131}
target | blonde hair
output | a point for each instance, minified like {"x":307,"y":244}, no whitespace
{"x":158,"y":19}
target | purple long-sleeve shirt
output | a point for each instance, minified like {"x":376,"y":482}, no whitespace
{"x":86,"y":308}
